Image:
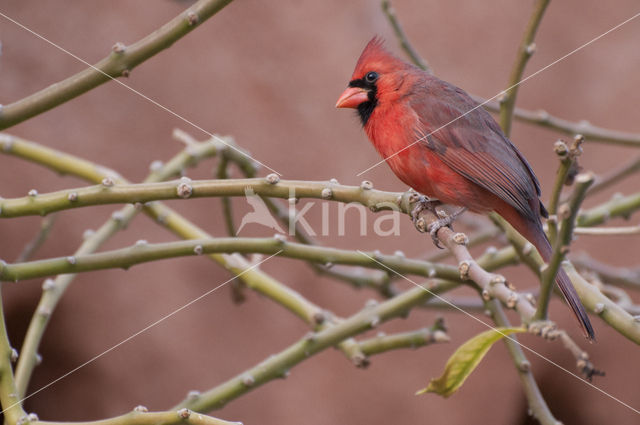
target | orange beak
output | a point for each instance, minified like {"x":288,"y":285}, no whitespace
{"x":352,"y":97}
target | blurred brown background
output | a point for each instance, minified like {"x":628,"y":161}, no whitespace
{"x":269,"y":74}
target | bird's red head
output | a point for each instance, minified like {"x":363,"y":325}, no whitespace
{"x":376,"y":73}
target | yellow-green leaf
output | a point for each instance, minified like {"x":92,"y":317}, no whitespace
{"x":464,"y":361}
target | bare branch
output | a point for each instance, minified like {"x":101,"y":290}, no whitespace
{"x":118,"y":63}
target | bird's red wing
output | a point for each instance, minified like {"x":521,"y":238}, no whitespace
{"x":474,"y":146}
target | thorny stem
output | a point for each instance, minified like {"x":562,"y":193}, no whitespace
{"x":118,"y":63}
{"x":525,"y":51}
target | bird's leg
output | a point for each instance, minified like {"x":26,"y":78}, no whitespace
{"x":441,"y":222}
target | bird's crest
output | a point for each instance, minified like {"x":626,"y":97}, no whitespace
{"x":375,"y":57}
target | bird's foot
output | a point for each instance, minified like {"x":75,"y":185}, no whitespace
{"x":422,"y":203}
{"x":443,"y":221}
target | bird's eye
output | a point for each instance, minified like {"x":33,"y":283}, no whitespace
{"x":371,"y":77}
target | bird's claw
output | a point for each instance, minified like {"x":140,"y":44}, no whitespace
{"x":434,"y":226}
{"x":422,"y":203}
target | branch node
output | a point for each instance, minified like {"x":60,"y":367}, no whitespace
{"x":463,"y":268}
{"x":524,"y":366}
{"x":192,"y":18}
{"x":184,"y":189}
{"x":108,"y":182}
{"x":140,"y":409}
{"x":198,"y":250}
{"x":71,"y":260}
{"x":272,"y":178}
{"x":486,"y":295}
{"x":441,"y":336}
{"x":530,"y":49}
{"x":319,"y":317}
{"x":193,"y":395}
{"x":184,"y":413}
{"x":360,"y":361}
{"x":48,"y":284}
{"x":33,"y":193}
{"x":374,"y":322}
{"x":248,"y":380}
{"x":598,"y":308}
{"x":14,"y":355}
{"x":460,"y":239}
{"x":561,"y":149}
{"x":326,"y":193}
{"x":366,"y":185}
{"x":280,"y":238}
{"x":119,"y":48}
{"x":73,"y":196}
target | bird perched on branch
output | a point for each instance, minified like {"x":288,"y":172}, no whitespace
{"x":440,"y":142}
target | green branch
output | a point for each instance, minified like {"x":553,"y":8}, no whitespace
{"x":111,"y":193}
{"x":53,"y":290}
{"x":140,"y":416}
{"x":118,"y":63}
{"x":9,"y":398}
{"x":525,"y":51}
{"x":618,"y":206}
{"x":278,"y":365}
{"x":565,"y":236}
{"x":568,"y":158}
{"x":537,"y":404}
{"x":142,"y":252}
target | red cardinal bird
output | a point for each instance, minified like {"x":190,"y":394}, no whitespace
{"x":438,"y":141}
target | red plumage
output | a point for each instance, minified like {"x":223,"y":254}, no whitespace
{"x":440,"y":142}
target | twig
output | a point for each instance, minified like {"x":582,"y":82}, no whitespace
{"x":492,"y":286}
{"x":592,"y":299}
{"x":623,"y":276}
{"x":53,"y":290}
{"x":583,"y":181}
{"x":412,"y":339}
{"x":43,"y":233}
{"x":140,"y":416}
{"x":142,"y":252}
{"x":607,"y":231}
{"x":9,"y":398}
{"x":388,"y":10}
{"x":612,"y":177}
{"x":227,"y":209}
{"x":618,"y":206}
{"x":278,"y":365}
{"x":525,"y":50}
{"x":568,"y":157}
{"x":118,"y":63}
{"x":537,"y":404}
